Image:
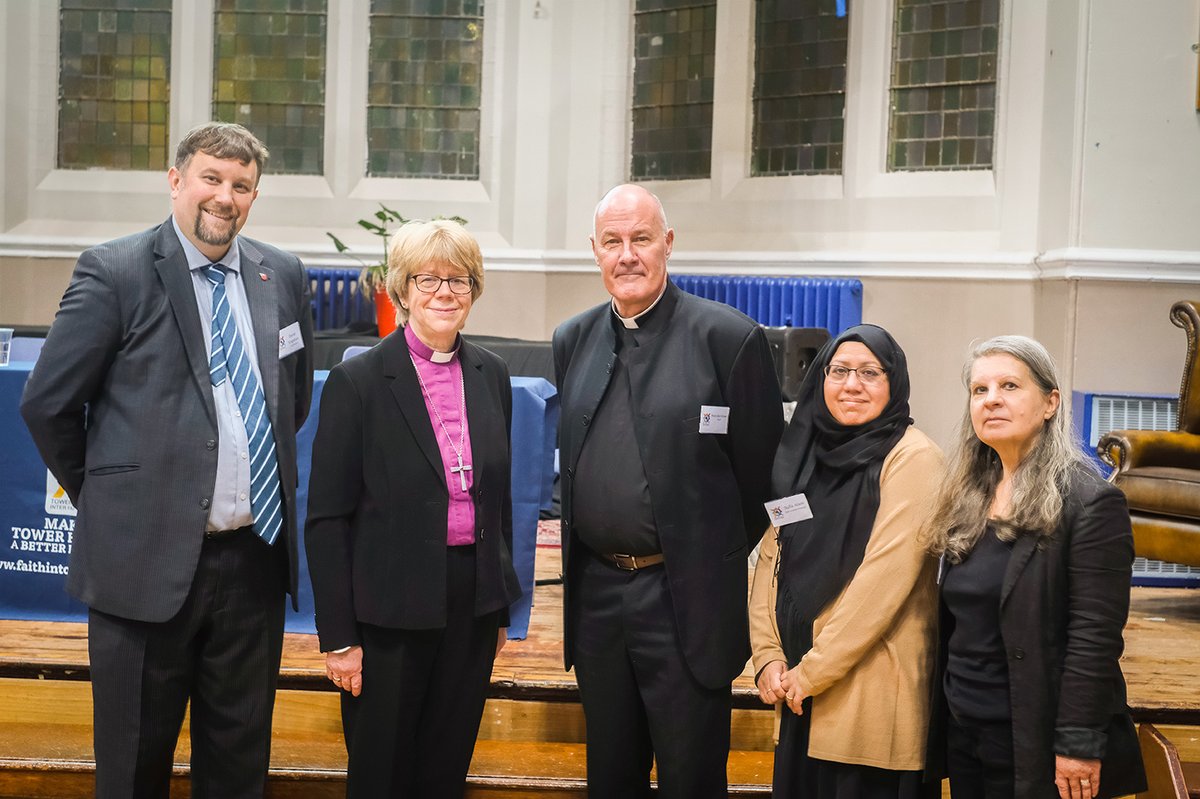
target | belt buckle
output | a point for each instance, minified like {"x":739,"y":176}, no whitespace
{"x":625,"y":562}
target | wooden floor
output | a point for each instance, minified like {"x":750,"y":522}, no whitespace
{"x":531,"y":738}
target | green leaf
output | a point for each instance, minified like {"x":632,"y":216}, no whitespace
{"x":337,"y":243}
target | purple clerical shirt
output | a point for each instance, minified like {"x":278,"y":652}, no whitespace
{"x":443,"y":391}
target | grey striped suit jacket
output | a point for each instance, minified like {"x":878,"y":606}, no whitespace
{"x":121,"y":409}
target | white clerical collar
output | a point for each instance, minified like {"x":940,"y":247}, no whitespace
{"x":631,"y":322}
{"x":429,"y":353}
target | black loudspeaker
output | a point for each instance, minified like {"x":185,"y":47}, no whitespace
{"x":793,"y":349}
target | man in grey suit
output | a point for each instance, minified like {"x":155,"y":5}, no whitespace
{"x":166,"y":402}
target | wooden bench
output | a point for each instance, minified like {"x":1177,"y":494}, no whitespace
{"x":1167,"y":776}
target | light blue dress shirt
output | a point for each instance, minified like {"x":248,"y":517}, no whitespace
{"x":230,"y":507}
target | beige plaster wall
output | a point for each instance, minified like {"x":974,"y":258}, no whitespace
{"x":1124,"y":339}
{"x":513,"y":304}
{"x":30,"y":289}
{"x":935,"y":322}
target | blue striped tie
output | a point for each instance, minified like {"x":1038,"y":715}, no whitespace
{"x":229,"y":360}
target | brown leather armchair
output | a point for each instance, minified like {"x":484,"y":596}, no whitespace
{"x":1160,"y":471}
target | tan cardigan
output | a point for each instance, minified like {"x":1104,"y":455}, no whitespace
{"x":872,"y":656}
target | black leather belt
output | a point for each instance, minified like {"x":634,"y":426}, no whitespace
{"x":222,"y":535}
{"x":632,"y":563}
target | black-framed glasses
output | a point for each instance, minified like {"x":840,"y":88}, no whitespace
{"x":432,"y":284}
{"x":867,"y":375}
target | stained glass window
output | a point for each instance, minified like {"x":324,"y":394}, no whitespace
{"x":269,"y":75}
{"x":674,"y":63}
{"x":113,"y":83}
{"x":799,"y":87}
{"x":425,"y":81}
{"x":943,"y":113}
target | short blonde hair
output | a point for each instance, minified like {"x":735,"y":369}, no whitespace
{"x":418,"y":244}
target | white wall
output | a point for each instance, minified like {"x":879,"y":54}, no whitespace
{"x":1141,"y":135}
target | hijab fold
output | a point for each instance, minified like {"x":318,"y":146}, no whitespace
{"x":837,"y":468}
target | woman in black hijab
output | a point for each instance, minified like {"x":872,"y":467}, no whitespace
{"x":842,"y":609}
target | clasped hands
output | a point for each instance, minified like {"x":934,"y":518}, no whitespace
{"x":777,"y":683}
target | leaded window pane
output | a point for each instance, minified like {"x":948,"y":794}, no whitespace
{"x":799,"y":87}
{"x":424,"y":90}
{"x":114,"y":60}
{"x":269,"y":75}
{"x":674,"y":63}
{"x":943,"y":97}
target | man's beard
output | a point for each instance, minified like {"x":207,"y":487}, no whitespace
{"x":210,"y":235}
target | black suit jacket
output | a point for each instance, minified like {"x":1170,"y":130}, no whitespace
{"x":377,"y":501}
{"x":706,"y":490}
{"x":1063,"y":608}
{"x":120,"y":406}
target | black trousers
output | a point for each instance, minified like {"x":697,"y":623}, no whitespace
{"x":979,"y":759}
{"x":640,"y":701}
{"x":411,"y":731}
{"x":221,"y":652}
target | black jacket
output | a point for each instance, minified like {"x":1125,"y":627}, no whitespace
{"x":706,"y":490}
{"x":377,"y":501}
{"x":1063,"y":608}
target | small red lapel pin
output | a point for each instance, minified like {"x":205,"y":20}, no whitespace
{"x":263,"y":275}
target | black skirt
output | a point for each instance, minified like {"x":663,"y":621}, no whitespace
{"x":798,"y":776}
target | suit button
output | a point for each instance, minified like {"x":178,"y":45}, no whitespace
{"x":570,"y":471}
{"x":210,"y":444}
{"x":1018,"y":654}
{"x":586,"y":420}
{"x":481,"y":532}
{"x":204,"y":503}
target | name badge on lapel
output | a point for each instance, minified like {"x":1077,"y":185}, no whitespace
{"x":787,"y":510}
{"x":290,"y":340}
{"x":714,"y":418}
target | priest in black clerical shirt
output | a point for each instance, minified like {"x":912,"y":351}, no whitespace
{"x":671,"y":413}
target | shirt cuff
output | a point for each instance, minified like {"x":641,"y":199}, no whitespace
{"x":1080,"y":742}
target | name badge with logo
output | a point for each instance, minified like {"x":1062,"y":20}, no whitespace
{"x":714,"y":418}
{"x":787,"y":510}
{"x":290,"y":340}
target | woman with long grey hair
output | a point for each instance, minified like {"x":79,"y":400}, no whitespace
{"x":1037,"y":550}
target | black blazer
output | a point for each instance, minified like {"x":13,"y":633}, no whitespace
{"x":120,"y":405}
{"x":1063,"y":607}
{"x":706,"y":491}
{"x":377,"y":501}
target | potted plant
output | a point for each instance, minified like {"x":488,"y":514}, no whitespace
{"x":372,"y":278}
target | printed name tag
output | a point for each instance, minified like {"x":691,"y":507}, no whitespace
{"x":787,"y":510}
{"x":290,"y":340}
{"x":714,"y":418}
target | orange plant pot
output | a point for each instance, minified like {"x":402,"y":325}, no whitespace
{"x":385,"y":313}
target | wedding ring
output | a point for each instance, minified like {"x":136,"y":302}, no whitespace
{"x":1085,"y":783}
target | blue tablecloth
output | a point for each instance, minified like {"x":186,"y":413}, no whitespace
{"x":37,"y":520}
